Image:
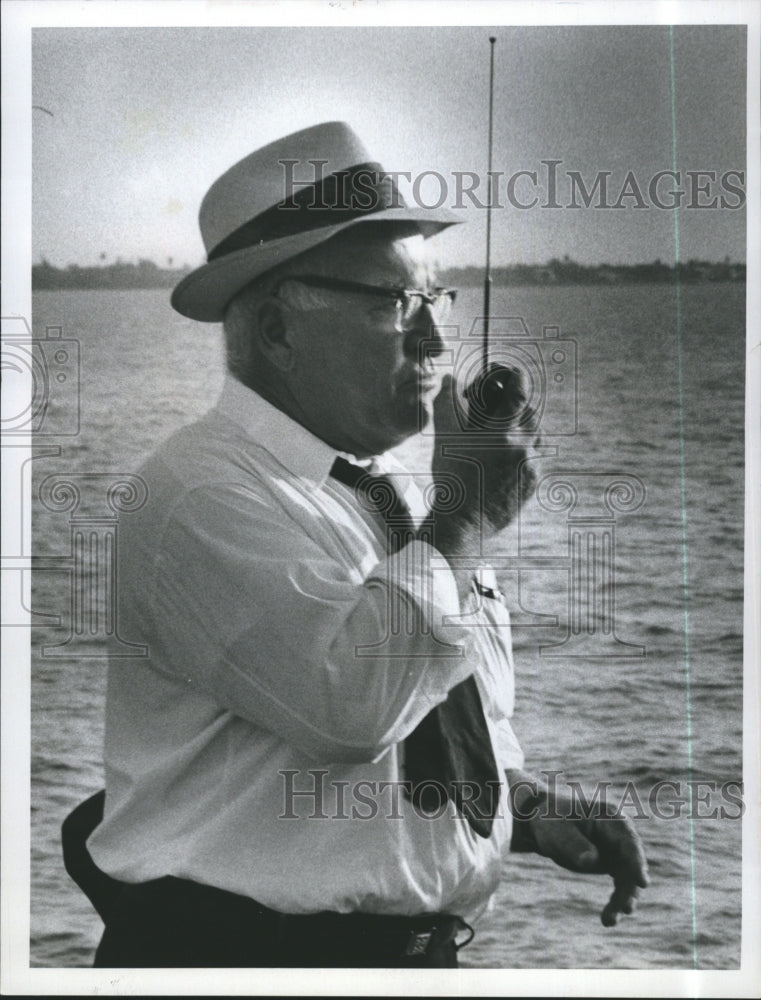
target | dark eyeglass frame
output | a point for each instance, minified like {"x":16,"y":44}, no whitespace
{"x":402,"y":296}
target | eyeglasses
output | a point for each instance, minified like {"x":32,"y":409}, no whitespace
{"x":409,"y":301}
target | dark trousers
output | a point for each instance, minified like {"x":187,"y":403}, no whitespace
{"x":175,"y":923}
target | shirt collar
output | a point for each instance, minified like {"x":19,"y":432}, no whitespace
{"x":303,"y":454}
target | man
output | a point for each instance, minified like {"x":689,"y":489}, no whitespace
{"x":313,"y":765}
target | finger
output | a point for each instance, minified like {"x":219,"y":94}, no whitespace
{"x":528,"y":434}
{"x":621,"y":850}
{"x":623,"y":899}
{"x":530,"y":424}
{"x":444,"y":407}
{"x":444,"y":393}
{"x":609,"y":915}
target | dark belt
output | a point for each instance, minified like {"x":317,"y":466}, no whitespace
{"x":213,"y":926}
{"x":174,"y":922}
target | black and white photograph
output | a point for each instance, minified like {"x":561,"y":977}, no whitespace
{"x":380,"y":447}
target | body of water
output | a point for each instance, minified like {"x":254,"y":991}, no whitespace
{"x":650,"y":395}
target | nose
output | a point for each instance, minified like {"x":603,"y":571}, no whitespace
{"x":423,"y":334}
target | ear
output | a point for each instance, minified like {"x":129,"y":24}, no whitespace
{"x":272,"y":333}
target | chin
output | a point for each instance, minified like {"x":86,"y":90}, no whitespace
{"x":413,"y":428}
{"x":392,"y":437}
{"x":408,"y":419}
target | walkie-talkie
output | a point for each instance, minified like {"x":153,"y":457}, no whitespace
{"x":497,"y":393}
{"x":495,"y":397}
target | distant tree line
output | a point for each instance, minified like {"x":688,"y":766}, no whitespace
{"x":144,"y":274}
{"x":147,"y":274}
{"x":569,"y":272}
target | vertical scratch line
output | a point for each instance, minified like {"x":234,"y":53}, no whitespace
{"x":683,"y":489}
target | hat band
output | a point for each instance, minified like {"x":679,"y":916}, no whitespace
{"x":339,"y":197}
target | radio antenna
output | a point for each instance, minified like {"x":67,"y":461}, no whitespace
{"x":487,"y":276}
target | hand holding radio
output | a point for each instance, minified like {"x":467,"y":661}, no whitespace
{"x":488,"y":457}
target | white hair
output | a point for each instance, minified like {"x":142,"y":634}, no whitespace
{"x":241,"y":315}
{"x":242,"y":311}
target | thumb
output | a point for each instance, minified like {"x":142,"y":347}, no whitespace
{"x":445,"y":407}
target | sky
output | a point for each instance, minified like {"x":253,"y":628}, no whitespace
{"x":143,"y":120}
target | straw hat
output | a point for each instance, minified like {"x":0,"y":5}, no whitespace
{"x":283,"y":199}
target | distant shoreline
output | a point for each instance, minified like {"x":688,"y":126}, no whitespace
{"x":147,"y":274}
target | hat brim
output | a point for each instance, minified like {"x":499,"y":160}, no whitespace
{"x":204,"y":293}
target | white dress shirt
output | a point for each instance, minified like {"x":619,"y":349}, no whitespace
{"x":262,"y":590}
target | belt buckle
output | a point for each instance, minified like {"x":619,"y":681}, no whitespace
{"x":417,"y":942}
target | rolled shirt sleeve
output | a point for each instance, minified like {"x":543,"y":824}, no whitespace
{"x":292,"y":638}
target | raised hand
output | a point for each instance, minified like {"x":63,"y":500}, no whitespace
{"x":488,"y":451}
